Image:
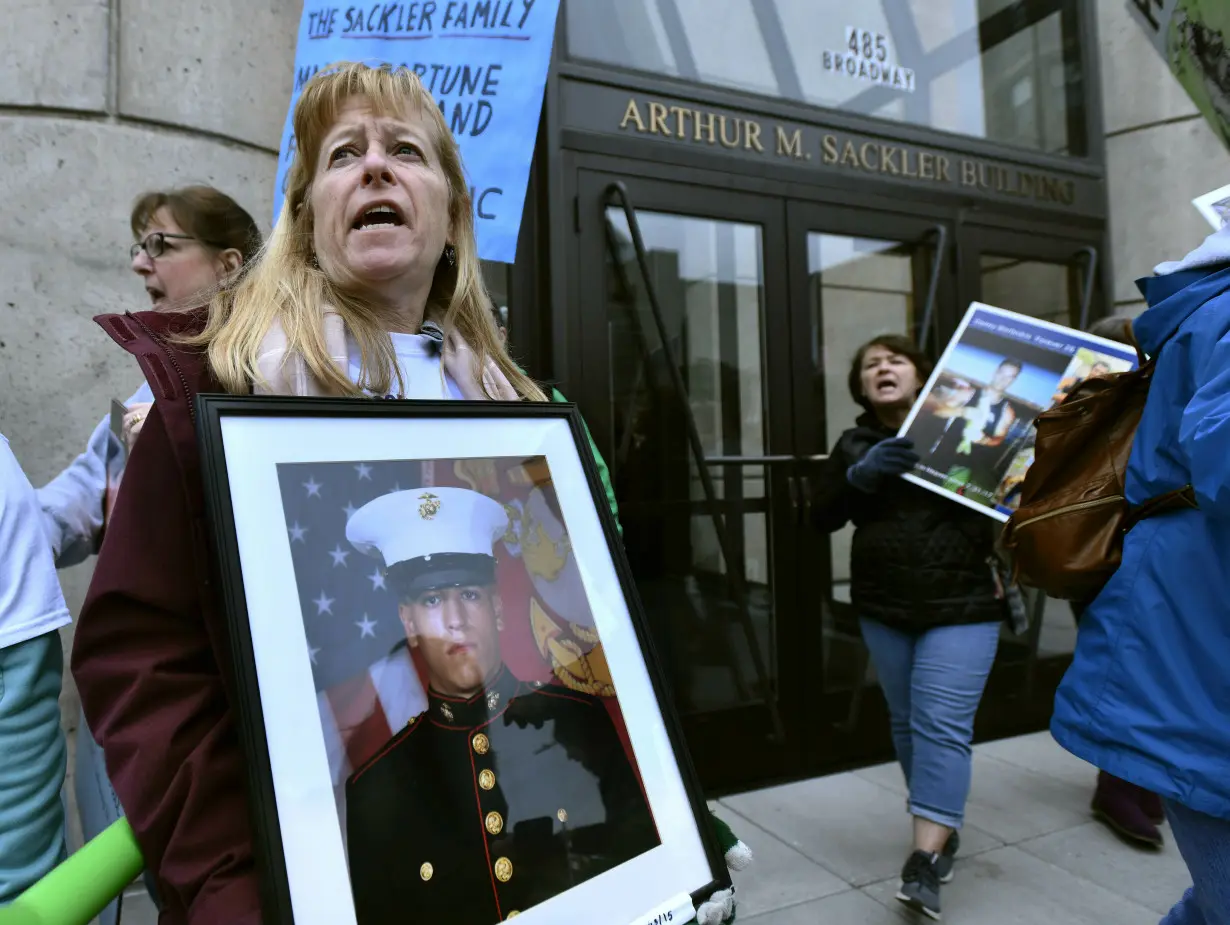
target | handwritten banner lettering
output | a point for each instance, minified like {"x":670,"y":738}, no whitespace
{"x":484,"y":63}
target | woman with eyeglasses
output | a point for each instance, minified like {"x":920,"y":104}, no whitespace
{"x":188,"y":242}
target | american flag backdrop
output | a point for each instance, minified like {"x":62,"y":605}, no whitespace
{"x":354,"y":636}
{"x":367,"y":681}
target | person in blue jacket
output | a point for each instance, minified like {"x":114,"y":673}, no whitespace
{"x":1147,"y":697}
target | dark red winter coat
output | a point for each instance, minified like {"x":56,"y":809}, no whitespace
{"x":151,"y":652}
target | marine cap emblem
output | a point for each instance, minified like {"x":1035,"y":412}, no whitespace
{"x":430,"y":506}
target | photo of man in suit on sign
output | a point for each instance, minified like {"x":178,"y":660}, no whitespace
{"x":503,"y":793}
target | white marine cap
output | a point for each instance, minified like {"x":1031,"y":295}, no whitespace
{"x":432,"y":530}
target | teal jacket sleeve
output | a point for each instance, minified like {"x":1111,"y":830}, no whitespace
{"x":603,"y":473}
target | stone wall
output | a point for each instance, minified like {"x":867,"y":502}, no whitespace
{"x":100,"y":101}
{"x":1160,"y":155}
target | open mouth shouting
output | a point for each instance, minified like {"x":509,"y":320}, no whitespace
{"x":381,"y":215}
{"x":887,"y":384}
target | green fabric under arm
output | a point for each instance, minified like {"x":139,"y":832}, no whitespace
{"x":79,"y":888}
{"x":603,"y":473}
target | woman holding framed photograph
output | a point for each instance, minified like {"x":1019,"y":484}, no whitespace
{"x":370,"y":286}
{"x":923,"y":587}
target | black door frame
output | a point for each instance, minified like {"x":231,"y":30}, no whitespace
{"x":759,"y":754}
{"x":1080,"y":248}
{"x":851,"y":729}
{"x":804,"y":218}
{"x":1021,"y":688}
{"x":735,"y":748}
{"x":815,"y":742}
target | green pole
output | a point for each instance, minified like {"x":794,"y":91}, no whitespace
{"x":78,"y":889}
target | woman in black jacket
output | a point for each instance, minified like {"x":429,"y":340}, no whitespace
{"x":923,"y":585}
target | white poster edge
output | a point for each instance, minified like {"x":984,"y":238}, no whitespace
{"x":1204,"y":205}
{"x":944,"y":492}
{"x":677,"y":908}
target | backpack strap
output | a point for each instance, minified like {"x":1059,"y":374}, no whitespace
{"x":1129,"y":337}
{"x":1178,"y":500}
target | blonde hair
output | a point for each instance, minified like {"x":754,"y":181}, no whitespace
{"x":285,"y":283}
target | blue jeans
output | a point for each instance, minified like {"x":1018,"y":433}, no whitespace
{"x":1204,"y":842}
{"x":933,"y":682}
{"x":33,"y":761}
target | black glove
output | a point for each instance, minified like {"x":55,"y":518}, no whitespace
{"x":894,"y":456}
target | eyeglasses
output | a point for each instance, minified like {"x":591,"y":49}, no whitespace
{"x":155,"y":244}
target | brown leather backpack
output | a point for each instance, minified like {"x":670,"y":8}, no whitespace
{"x":1066,"y":536}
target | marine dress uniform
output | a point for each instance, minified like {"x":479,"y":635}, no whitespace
{"x":482,"y":807}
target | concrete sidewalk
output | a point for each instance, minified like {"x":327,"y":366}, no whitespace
{"x":830,"y":850}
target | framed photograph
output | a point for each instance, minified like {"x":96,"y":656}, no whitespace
{"x":973,"y":421}
{"x":448,"y":695}
{"x":1214,"y":206}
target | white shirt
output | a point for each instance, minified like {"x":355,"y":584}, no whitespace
{"x":420,"y":367}
{"x":31,"y":602}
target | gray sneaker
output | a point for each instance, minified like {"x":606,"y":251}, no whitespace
{"x":920,"y":884}
{"x":948,"y":857}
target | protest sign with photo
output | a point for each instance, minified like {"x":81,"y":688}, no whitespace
{"x":973,"y":422}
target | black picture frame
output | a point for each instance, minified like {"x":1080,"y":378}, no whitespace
{"x":212,"y":410}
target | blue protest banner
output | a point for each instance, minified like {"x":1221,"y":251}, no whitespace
{"x":485,"y":64}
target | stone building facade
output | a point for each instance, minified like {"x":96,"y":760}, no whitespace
{"x":1160,"y":154}
{"x":98,"y":102}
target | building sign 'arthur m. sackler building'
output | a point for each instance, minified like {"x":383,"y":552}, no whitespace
{"x":750,"y":137}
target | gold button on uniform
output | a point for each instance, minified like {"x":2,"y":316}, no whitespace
{"x":426,"y":871}
{"x":513,"y":914}
{"x":495,"y":823}
{"x":481,"y":743}
{"x":486,"y":780}
{"x":503,"y":870}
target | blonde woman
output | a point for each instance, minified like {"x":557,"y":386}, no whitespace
{"x":369,"y":285}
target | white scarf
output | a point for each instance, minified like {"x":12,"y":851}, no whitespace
{"x":288,"y":374}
